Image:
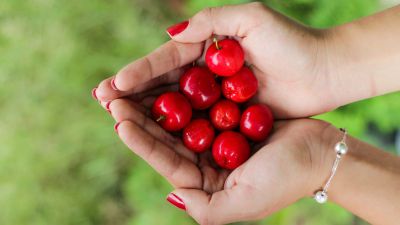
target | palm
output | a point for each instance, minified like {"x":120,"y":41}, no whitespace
{"x":165,"y":152}
{"x":181,"y":167}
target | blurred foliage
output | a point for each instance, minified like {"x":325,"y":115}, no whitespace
{"x":61,"y":163}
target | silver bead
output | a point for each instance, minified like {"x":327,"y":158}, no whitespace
{"x":341,"y":148}
{"x":321,"y":197}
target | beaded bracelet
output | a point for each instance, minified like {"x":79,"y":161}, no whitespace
{"x":341,"y":149}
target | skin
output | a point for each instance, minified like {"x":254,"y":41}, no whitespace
{"x":296,"y":161}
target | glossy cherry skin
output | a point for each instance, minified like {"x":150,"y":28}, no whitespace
{"x":199,"y":86}
{"x":256,"y":122}
{"x":230,"y":150}
{"x":198,"y":135}
{"x":225,"y":60}
{"x":172,"y":111}
{"x":225,"y":115}
{"x":241,"y":86}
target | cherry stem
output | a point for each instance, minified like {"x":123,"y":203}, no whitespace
{"x":162,"y":117}
{"x":216,"y":43}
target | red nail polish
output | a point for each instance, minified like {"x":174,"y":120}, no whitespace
{"x":176,"y":201}
{"x":177,"y":28}
{"x":94,"y":93}
{"x":116,"y":127}
{"x":113,"y":84}
{"x":108,"y":106}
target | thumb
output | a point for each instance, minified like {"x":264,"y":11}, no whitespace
{"x":226,"y":206}
{"x":231,"y":20}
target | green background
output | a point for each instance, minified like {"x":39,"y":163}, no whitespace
{"x":60,"y":160}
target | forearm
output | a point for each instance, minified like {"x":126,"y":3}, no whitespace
{"x":365,"y":57}
{"x":367,"y":182}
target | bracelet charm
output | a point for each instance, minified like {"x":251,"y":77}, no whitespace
{"x":341,"y":149}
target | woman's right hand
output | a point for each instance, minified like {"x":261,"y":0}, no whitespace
{"x":288,"y":59}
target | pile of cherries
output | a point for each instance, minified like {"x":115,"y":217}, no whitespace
{"x":200,"y":90}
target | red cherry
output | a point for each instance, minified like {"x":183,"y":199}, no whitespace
{"x":225,"y":57}
{"x":198,"y":135}
{"x":199,"y":86}
{"x":256,"y":122}
{"x":225,"y":115}
{"x":241,"y":86}
{"x":230,"y":150}
{"x":172,"y":111}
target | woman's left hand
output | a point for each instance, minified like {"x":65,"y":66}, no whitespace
{"x":278,"y":174}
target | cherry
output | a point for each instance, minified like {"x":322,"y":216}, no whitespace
{"x":225,"y":57}
{"x":199,"y":86}
{"x":225,"y":115}
{"x":241,"y":86}
{"x":230,"y":150}
{"x":198,"y":135}
{"x":172,"y":111}
{"x":256,"y":122}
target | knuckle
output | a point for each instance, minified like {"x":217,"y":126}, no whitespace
{"x":206,"y":12}
{"x":176,"y":57}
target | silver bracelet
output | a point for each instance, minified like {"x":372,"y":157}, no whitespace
{"x":341,"y":149}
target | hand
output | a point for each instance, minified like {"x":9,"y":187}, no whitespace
{"x":287,"y":58}
{"x":291,"y":64}
{"x":278,"y":174}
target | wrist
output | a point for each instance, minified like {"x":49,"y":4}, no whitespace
{"x":323,"y":157}
{"x":366,"y":182}
{"x":364,"y":52}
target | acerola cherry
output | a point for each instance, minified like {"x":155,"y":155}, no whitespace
{"x":241,"y":86}
{"x":199,"y":86}
{"x":225,"y":115}
{"x":172,"y":111}
{"x":225,"y":57}
{"x":198,"y":135}
{"x":256,"y":122}
{"x":230,"y":150}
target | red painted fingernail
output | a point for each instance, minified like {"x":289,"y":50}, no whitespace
{"x":177,"y":28}
{"x":113,"y":84}
{"x":94,"y":93}
{"x":108,"y":106}
{"x":176,"y":201}
{"x":116,"y":127}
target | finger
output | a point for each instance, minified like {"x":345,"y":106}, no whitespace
{"x":155,"y":92}
{"x":232,"y":20}
{"x":168,"y":57}
{"x":105,"y":105}
{"x":123,"y":109}
{"x":178,"y":170}
{"x":222,"y":207}
{"x":105,"y":91}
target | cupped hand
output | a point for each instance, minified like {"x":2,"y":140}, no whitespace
{"x":289,"y":60}
{"x":279,"y":173}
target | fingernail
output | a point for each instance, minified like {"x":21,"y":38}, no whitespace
{"x":108,"y":107}
{"x":116,"y":127}
{"x":177,"y":28}
{"x":94,"y":93}
{"x":113,"y":84}
{"x":176,"y":201}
